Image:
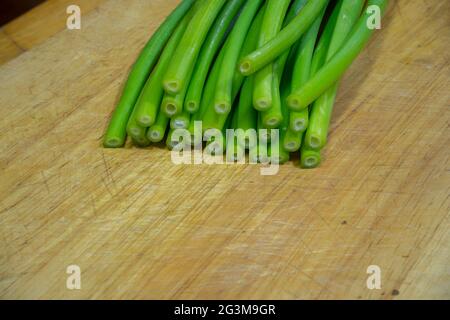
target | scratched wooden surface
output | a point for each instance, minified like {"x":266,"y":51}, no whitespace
{"x":140,"y":227}
{"x":37,"y":25}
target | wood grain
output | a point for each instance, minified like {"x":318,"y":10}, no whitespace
{"x":140,"y":227}
{"x":39,"y":24}
{"x":8,"y":49}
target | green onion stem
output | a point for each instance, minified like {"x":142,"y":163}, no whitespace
{"x":284,"y":40}
{"x":299,"y":120}
{"x":316,"y":135}
{"x":309,"y":158}
{"x":211,"y":46}
{"x":233,"y":46}
{"x":339,"y":63}
{"x":272,"y":117}
{"x":116,"y":132}
{"x":157,"y":131}
{"x":135,"y":130}
{"x":181,"y":120}
{"x":149,"y":101}
{"x":274,"y":16}
{"x":183,"y":62}
{"x":245,"y":114}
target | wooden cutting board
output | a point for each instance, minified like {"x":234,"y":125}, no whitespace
{"x":140,"y":227}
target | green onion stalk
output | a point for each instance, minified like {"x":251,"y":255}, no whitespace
{"x":316,"y":135}
{"x":116,"y":132}
{"x":211,"y":46}
{"x":183,"y":61}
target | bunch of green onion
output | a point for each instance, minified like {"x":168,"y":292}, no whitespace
{"x":244,"y":64}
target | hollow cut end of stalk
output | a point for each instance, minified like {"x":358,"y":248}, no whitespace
{"x":154,"y":136}
{"x":315,"y":142}
{"x":172,"y":86}
{"x":291,"y":146}
{"x":113,"y":143}
{"x":135,"y":132}
{"x":191,"y":106}
{"x":310,"y":161}
{"x":245,"y":68}
{"x":222,"y":108}
{"x":145,"y":121}
{"x":299,"y":125}
{"x":263,"y":104}
{"x":294,"y":102}
{"x":272,"y":122}
{"x":170,"y":109}
{"x":179,"y":124}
